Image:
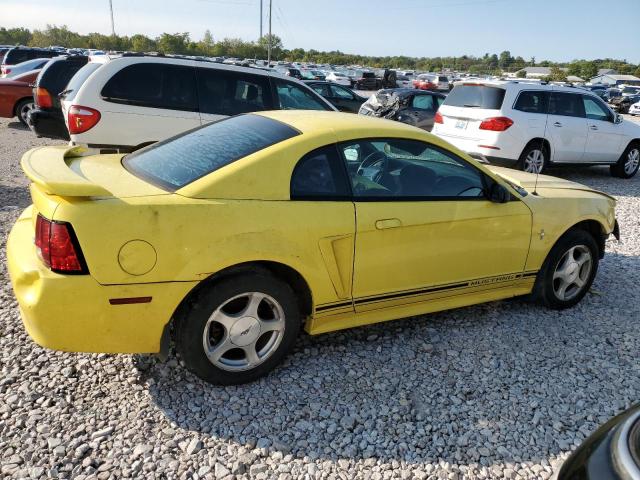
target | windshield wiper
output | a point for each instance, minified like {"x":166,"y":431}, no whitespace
{"x":64,"y":93}
{"x":471,"y":106}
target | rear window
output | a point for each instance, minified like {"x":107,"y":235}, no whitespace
{"x":180,"y":160}
{"x":368,"y":75}
{"x":79,"y":78}
{"x":16,"y":56}
{"x":56,"y":75}
{"x":476,"y":96}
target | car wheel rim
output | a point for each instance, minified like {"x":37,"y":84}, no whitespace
{"x":572,"y":272}
{"x":534,"y":161}
{"x":244,"y":331}
{"x":24,"y":111}
{"x":633,"y":160}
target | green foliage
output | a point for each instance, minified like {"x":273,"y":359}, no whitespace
{"x":14,"y":36}
{"x":557,"y":75}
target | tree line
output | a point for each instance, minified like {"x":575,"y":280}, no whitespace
{"x":183,"y":44}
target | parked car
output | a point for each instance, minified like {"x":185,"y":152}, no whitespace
{"x":317,"y":219}
{"x":18,"y":55}
{"x":407,"y":105}
{"x":368,"y":81}
{"x":612,"y":452}
{"x":339,"y":78}
{"x":634,"y":109}
{"x":533,"y":126}
{"x":290,"y":72}
{"x":611,"y":93}
{"x":133,"y":101}
{"x":46,"y":119}
{"x":402,"y":81}
{"x":343,"y":98}
{"x":623,"y":104}
{"x":426,"y":82}
{"x":629,"y":90}
{"x":16,"y":98}
{"x":28,"y":66}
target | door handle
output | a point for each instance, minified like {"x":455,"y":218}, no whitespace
{"x":388,"y":223}
{"x":593,"y":127}
{"x":557,"y":124}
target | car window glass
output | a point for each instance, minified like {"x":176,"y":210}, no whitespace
{"x":341,"y":92}
{"x":180,"y":160}
{"x":404,"y":169}
{"x":293,"y":97}
{"x":532,"y":102}
{"x":476,"y":96}
{"x":79,"y":78}
{"x":319,"y":175}
{"x":422,"y":102}
{"x":153,"y":85}
{"x":566,"y":104}
{"x":56,"y":77}
{"x":321,"y":89}
{"x":594,"y":110}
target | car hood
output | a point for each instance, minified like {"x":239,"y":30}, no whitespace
{"x":531,"y":181}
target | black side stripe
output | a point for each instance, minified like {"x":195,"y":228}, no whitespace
{"x":322,"y":308}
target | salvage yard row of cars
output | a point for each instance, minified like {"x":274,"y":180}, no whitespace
{"x":290,"y":215}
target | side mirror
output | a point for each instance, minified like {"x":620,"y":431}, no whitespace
{"x":617,"y":118}
{"x":498,"y":193}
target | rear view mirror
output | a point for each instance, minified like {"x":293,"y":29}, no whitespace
{"x":498,"y":193}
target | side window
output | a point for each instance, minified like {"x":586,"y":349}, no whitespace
{"x":321,"y":89}
{"x":566,"y":104}
{"x":440,"y":100}
{"x":399,"y":169}
{"x":294,"y":97}
{"x":153,"y":85}
{"x":423,"y":102}
{"x":341,"y":92}
{"x":319,"y":175}
{"x":532,"y":102}
{"x":594,"y":110}
{"x":225,"y":93}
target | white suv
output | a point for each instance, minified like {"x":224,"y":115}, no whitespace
{"x":125,"y":103}
{"x":536,"y":125}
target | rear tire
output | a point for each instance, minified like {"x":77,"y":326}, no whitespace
{"x":568,"y":271}
{"x":534,"y":158}
{"x":239,"y":329}
{"x":628,"y":163}
{"x":23,"y":107}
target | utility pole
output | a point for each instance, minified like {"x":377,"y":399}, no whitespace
{"x":113,"y":28}
{"x":269,"y":44}
{"x":260,"y":18}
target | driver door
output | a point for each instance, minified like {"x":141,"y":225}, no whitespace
{"x":424,"y":228}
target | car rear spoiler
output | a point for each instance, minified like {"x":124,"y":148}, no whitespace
{"x":49,"y":168}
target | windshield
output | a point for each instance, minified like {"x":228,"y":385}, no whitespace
{"x":180,"y":160}
{"x":475,"y":96}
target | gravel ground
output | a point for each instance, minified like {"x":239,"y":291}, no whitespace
{"x":500,"y":390}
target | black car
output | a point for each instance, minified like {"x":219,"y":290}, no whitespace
{"x":622,"y":104}
{"x":368,"y":81}
{"x":407,"y":105}
{"x":343,"y":98}
{"x":46,"y":119}
{"x":612,"y":452}
{"x":17,"y":55}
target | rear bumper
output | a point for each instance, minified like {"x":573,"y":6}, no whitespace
{"x":74,"y":313}
{"x":49,"y":124}
{"x":486,"y":149}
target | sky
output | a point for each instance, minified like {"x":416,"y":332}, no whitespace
{"x":556,"y":30}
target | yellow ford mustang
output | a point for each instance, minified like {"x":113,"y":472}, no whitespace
{"x":229,"y":238}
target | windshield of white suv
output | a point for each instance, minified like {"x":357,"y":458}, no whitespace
{"x":476,"y":96}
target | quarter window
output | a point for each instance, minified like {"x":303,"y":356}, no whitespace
{"x":156,"y":85}
{"x":423,"y":102}
{"x":566,"y":104}
{"x":293,"y":97}
{"x":341,"y":92}
{"x":226,"y":93}
{"x":594,"y":110}
{"x":532,"y":102}
{"x":319,"y":175}
{"x":400,"y":169}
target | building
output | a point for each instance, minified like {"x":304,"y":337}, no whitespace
{"x":537,"y":72}
{"x":607,"y":71}
{"x":613,"y":80}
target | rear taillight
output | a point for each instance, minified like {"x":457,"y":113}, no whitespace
{"x":438,"y":118}
{"x":57,"y":246}
{"x":496,"y":124}
{"x":82,"y":118}
{"x":5,"y":70}
{"x":42,"y":98}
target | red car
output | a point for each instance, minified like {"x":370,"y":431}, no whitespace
{"x":16,"y":95}
{"x":426,"y":82}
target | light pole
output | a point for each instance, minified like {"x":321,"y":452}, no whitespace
{"x":113,"y":28}
{"x":269,"y":40}
{"x":260,"y":19}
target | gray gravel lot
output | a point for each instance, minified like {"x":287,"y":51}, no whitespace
{"x":500,"y":390}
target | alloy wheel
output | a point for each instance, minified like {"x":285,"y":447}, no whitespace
{"x":24,"y":111}
{"x":534,"y":161}
{"x":244,"y":331}
{"x":572,"y":272}
{"x":633,"y":160}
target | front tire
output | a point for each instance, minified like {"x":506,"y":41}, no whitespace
{"x":568,"y":271}
{"x":534,"y":158}
{"x":628,"y":163}
{"x":239,"y":329}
